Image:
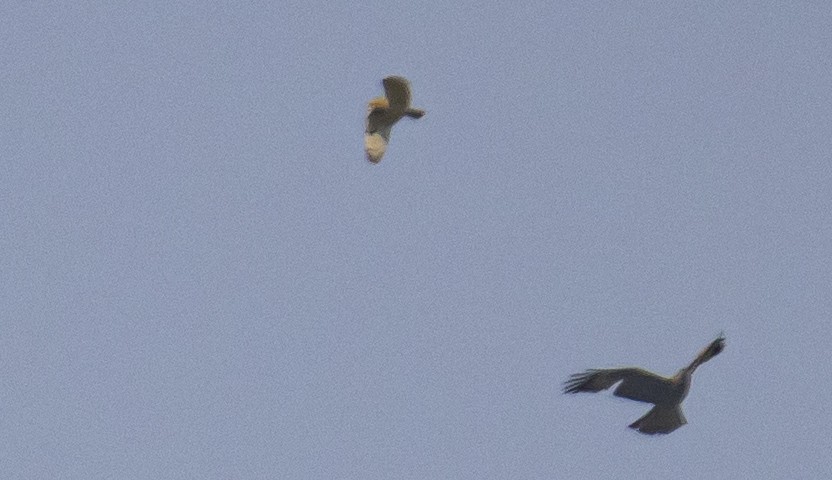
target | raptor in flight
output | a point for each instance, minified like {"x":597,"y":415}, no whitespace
{"x":384,"y":112}
{"x":666,"y":394}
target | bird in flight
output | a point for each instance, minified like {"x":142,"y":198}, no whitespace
{"x":666,"y":394}
{"x":384,"y":112}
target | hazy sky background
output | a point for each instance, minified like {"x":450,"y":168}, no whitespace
{"x":202,"y":277}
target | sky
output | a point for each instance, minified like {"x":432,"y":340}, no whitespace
{"x":201,"y":276}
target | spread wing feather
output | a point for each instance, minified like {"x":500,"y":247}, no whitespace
{"x":397,"y":90}
{"x":636,"y":383}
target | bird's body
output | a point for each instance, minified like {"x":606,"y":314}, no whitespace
{"x":384,"y":112}
{"x":640,"y":385}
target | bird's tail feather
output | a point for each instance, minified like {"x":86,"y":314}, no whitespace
{"x":660,"y":420}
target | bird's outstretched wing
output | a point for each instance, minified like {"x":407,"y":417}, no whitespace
{"x":397,"y":90}
{"x":636,"y":384}
{"x":713,"y":349}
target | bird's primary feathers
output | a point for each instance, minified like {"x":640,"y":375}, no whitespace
{"x":384,"y":112}
{"x":666,"y":394}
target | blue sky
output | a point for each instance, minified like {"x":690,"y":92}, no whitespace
{"x":202,"y":277}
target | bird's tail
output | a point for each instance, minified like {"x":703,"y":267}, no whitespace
{"x":660,"y":420}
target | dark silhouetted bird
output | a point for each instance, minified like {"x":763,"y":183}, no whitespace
{"x":643,"y":386}
{"x":384,"y":112}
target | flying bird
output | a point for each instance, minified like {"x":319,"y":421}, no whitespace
{"x":666,"y":394}
{"x":384,"y":112}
